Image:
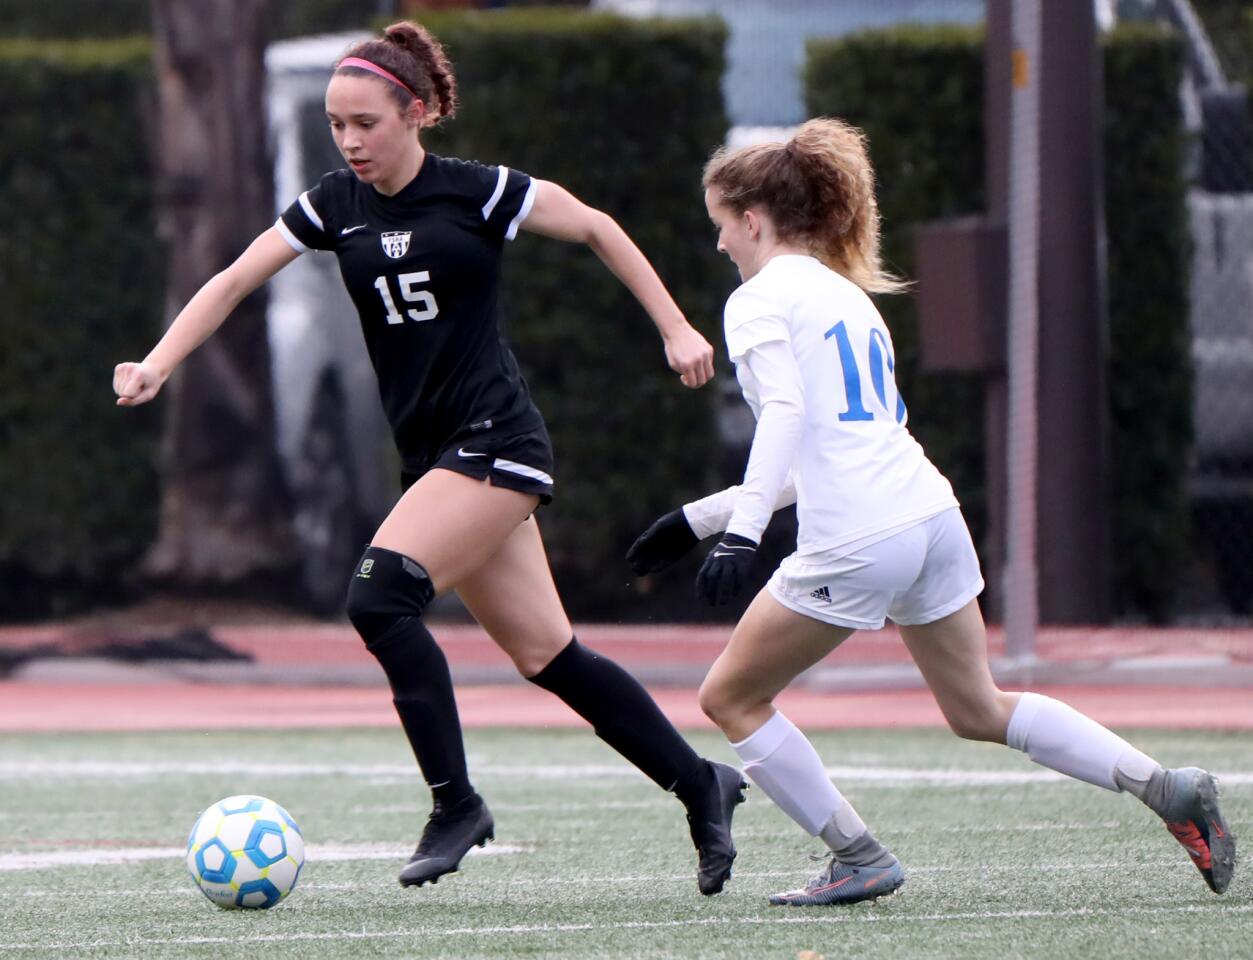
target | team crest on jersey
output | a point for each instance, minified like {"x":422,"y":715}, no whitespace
{"x":396,"y":244}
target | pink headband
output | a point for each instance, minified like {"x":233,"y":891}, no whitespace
{"x":378,"y":71}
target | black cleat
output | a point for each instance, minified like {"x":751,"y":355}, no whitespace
{"x":448,"y":835}
{"x":710,"y":823}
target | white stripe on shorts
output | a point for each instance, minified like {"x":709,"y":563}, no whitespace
{"x":522,"y":470}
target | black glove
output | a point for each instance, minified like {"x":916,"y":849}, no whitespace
{"x":668,"y":539}
{"x":725,"y":570}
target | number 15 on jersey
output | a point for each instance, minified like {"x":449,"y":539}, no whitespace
{"x":427,"y":308}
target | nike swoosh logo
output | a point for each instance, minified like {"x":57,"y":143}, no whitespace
{"x":717,"y":554}
{"x":348,"y":230}
{"x":830,"y":886}
{"x":463,"y":452}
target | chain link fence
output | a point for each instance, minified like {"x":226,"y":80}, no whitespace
{"x":1220,"y":205}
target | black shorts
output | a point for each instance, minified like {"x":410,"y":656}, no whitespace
{"x":522,"y":462}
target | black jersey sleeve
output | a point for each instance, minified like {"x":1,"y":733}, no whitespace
{"x":507,"y":198}
{"x":306,"y":224}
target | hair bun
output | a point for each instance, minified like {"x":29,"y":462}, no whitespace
{"x":416,"y":57}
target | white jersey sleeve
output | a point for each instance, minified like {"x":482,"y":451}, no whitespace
{"x":780,"y":394}
{"x":711,"y":514}
{"x":751,"y":320}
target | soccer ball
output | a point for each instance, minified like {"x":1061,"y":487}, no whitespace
{"x":245,"y":852}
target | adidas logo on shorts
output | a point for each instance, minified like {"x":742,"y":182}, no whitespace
{"x":822,"y":593}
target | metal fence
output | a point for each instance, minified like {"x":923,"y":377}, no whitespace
{"x":1220,"y":204}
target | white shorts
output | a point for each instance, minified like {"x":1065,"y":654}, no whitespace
{"x":914,"y":576}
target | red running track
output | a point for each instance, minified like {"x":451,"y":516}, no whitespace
{"x":165,"y":703}
{"x":47,"y":707}
{"x":334,"y":643}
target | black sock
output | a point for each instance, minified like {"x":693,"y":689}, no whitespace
{"x":417,"y":671}
{"x":696,"y":784}
{"x":623,"y":714}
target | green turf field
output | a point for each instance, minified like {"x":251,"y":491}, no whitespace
{"x":591,"y":860}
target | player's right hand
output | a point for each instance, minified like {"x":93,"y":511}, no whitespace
{"x":726,"y":571}
{"x":668,"y":539}
{"x":136,"y":383}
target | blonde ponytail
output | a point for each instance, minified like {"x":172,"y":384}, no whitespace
{"x":818,"y":189}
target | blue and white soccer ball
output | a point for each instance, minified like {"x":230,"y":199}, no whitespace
{"x":245,"y":852}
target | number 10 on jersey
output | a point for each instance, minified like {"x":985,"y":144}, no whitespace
{"x":427,"y":308}
{"x":882,"y":368}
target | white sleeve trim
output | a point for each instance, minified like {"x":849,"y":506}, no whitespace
{"x":292,"y":240}
{"x":502,"y":174}
{"x":527,"y":202}
{"x":312,"y":214}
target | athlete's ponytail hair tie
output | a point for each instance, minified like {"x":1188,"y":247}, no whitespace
{"x":818,"y":188}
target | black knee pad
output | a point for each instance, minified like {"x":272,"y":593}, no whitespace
{"x":386,"y":588}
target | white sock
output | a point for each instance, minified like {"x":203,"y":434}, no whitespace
{"x":843,"y":827}
{"x":789,"y":771}
{"x":1063,"y":739}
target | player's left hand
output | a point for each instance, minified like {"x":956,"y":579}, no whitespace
{"x":690,"y":356}
{"x":136,"y":383}
{"x":664,"y":543}
{"x":725,"y":570}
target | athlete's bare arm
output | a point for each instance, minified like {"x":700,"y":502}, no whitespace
{"x":137,"y":383}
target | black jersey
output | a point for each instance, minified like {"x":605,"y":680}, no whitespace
{"x":423,"y":268}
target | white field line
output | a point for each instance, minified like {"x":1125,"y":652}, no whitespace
{"x":658,"y":803}
{"x":14,"y":770}
{"x":315,"y":853}
{"x":645,"y":881}
{"x":326,"y":853}
{"x":806,"y":869}
{"x":825,"y":918}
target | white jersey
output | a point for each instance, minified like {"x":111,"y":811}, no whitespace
{"x":839,"y":423}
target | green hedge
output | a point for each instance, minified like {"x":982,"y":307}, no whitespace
{"x":81,"y":275}
{"x":918,"y":93}
{"x":623,"y":113}
{"x":64,"y":20}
